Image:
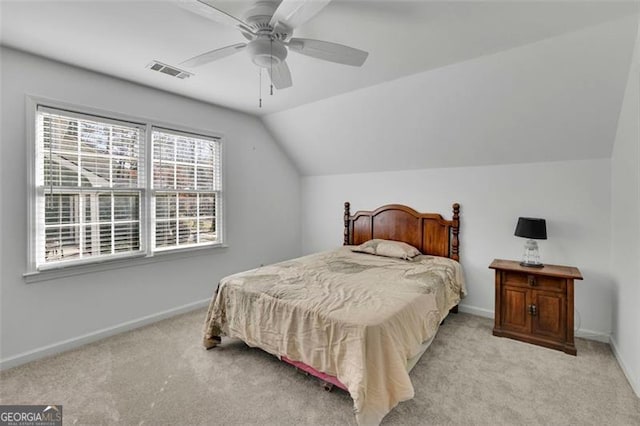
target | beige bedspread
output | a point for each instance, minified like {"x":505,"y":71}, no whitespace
{"x":355,"y":316}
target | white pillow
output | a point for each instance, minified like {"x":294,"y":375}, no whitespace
{"x":388,"y":248}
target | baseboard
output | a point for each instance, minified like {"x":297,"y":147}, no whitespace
{"x":592,"y":335}
{"x":474,"y":310}
{"x":75,"y":342}
{"x":634,"y":382}
{"x":582,"y":333}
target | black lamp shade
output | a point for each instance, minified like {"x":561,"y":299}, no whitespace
{"x":531,"y":227}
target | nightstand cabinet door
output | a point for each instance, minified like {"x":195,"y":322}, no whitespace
{"x":515,"y":315}
{"x":548,"y":318}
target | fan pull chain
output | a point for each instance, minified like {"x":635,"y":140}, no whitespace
{"x":271,"y":64}
{"x":260,"y":89}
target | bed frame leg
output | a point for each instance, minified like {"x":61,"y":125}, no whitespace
{"x":211,"y":342}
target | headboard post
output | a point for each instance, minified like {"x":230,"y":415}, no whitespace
{"x":347,"y":214}
{"x":455,"y":229}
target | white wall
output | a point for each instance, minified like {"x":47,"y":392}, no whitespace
{"x":262,"y":206}
{"x":573,"y":196}
{"x":625,"y":219}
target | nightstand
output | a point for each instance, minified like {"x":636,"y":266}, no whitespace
{"x":535,"y":305}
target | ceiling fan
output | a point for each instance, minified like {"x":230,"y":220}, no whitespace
{"x":268,"y":26}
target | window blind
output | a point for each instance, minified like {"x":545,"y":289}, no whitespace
{"x":90,"y":181}
{"x":187,"y":189}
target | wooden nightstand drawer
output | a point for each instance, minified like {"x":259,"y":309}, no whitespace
{"x":534,"y":281}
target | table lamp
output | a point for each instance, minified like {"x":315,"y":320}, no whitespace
{"x":532,"y":229}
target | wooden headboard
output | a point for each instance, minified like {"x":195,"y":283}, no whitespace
{"x":428,"y":232}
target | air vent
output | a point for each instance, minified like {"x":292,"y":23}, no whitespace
{"x":169,"y":70}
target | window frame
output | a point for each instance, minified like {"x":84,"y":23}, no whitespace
{"x":140,"y":188}
{"x":147,"y":254}
{"x":219,"y":202}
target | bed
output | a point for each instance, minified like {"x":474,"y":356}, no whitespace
{"x":354,"y":319}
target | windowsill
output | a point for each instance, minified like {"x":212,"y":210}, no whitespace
{"x":110,"y":264}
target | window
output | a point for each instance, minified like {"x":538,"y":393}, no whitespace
{"x":90,"y":181}
{"x":186,"y":182}
{"x":92,"y":189}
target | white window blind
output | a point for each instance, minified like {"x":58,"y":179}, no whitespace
{"x":90,"y":182}
{"x":187,"y":189}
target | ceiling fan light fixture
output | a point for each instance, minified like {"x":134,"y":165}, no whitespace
{"x":266,"y":53}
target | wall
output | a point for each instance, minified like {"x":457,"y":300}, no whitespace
{"x":262,"y":206}
{"x":573,"y":196}
{"x":625,"y":220}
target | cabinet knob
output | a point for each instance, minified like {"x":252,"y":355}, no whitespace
{"x":533,"y":310}
{"x":531,"y":279}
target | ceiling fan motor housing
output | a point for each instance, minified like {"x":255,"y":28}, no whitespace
{"x":259,"y":15}
{"x":266,"y":53}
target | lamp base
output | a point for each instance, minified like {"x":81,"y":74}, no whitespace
{"x":531,"y":256}
{"x":532,"y":265}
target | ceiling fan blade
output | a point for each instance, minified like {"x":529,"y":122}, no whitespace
{"x":280,"y":75}
{"x":332,"y":52}
{"x":205,"y":9}
{"x":293,"y":13}
{"x":213,"y":55}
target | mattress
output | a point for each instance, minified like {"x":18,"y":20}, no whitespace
{"x":358,"y":317}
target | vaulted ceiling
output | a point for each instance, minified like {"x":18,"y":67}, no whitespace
{"x":446,"y":83}
{"x":556,"y":99}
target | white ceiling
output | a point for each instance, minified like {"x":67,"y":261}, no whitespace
{"x":556,"y":99}
{"x":403,"y":37}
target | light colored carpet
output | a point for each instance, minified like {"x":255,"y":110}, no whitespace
{"x":161,"y":375}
